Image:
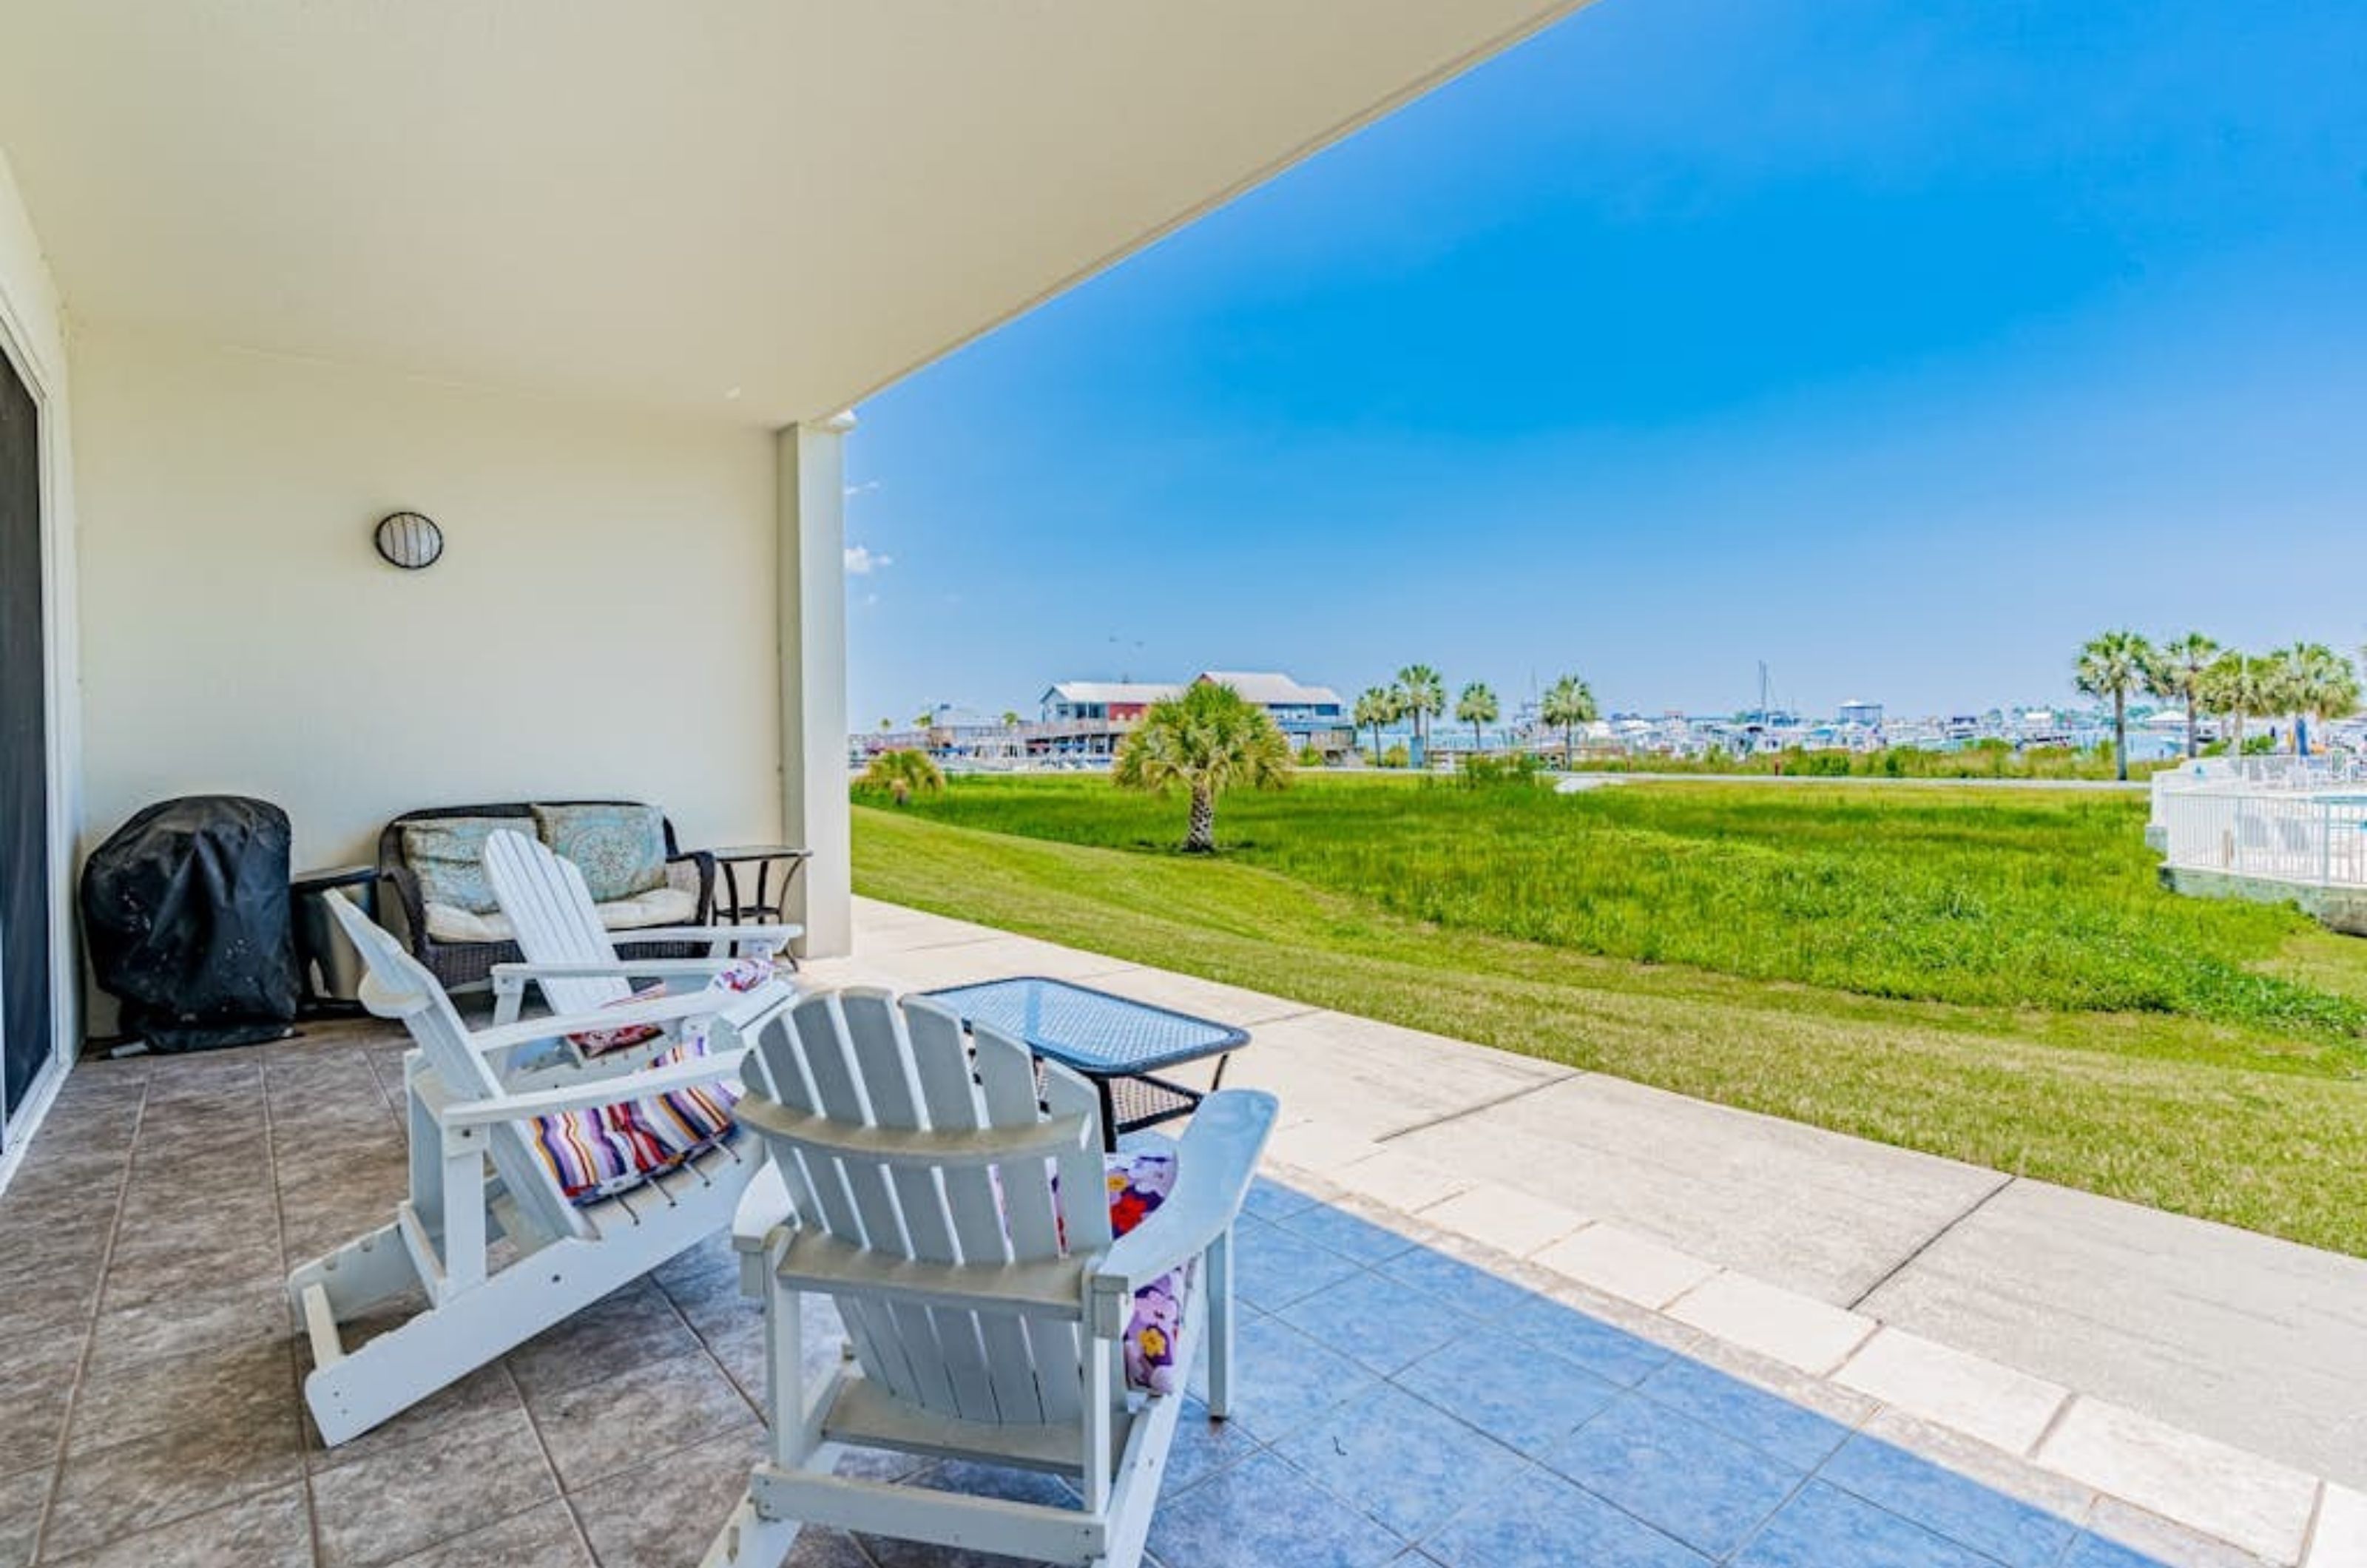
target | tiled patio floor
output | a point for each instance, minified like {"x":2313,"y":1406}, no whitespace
{"x":1400,"y":1404}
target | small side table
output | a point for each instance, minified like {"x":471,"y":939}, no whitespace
{"x":321,"y":948}
{"x":768,"y":901}
{"x":1115,"y":1043}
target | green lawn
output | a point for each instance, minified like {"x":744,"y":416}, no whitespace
{"x":1991,"y":977}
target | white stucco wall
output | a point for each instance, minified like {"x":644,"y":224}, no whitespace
{"x":602,"y":622}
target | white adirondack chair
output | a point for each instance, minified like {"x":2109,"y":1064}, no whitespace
{"x":918,"y":1197}
{"x":559,"y":1258}
{"x":572,"y":957}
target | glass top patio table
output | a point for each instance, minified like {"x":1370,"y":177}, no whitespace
{"x":1095,"y":1033}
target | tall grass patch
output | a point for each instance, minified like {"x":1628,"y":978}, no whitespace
{"x":2046,"y":901}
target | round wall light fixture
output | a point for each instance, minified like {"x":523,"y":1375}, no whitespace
{"x":410,"y":540}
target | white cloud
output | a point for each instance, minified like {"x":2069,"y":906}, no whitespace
{"x":861,"y":561}
{"x":866,"y":487}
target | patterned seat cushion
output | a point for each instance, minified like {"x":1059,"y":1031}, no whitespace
{"x":597,"y":1153}
{"x":594,"y":1154}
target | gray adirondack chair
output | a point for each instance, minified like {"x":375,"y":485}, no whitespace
{"x":985,"y":1302}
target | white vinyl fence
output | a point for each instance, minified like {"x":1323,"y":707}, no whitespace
{"x":2301,"y":821}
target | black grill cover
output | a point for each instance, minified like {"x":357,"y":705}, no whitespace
{"x":188,"y":915}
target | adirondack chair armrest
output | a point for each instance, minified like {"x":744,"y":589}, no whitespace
{"x":657,"y":1010}
{"x":776,"y":936}
{"x":522,"y":974}
{"x":764,"y":1214}
{"x":593,"y":1093}
{"x":1215,"y":1164}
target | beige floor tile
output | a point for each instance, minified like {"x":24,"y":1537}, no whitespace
{"x":665,"y":1517}
{"x":271,"y":1530}
{"x":2252,"y":1503}
{"x":1318,"y":1148}
{"x":1400,"y":1180}
{"x":2003,"y":1407}
{"x":1631,"y":1267}
{"x":200,"y":1322}
{"x":1504,"y":1218}
{"x":21,"y":1497}
{"x":542,"y":1537}
{"x":38,"y":1372}
{"x":131,"y":1399}
{"x":402,"y":1500}
{"x":1992,"y":1467}
{"x":486,"y":1391}
{"x":628,"y":1327}
{"x":2339,"y":1538}
{"x":106,"y":1493}
{"x":1795,"y":1329}
{"x":609,"y":1427}
{"x":2173,"y":1546}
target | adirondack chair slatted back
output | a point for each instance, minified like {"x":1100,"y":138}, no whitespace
{"x":550,"y":910}
{"x":399,"y":986}
{"x":859,"y":1059}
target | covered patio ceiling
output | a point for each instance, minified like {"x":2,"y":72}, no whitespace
{"x":758,"y":209}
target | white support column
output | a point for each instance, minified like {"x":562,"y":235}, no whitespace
{"x":811,"y":498}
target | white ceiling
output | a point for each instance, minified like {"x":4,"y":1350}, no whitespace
{"x":662,"y":200}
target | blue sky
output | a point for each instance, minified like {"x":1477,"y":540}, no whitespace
{"x":1901,"y":343}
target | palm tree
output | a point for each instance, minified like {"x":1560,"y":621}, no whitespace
{"x":1568,"y":703}
{"x":2176,"y":670}
{"x":928,"y":720}
{"x":885,"y":725}
{"x":903,"y":774}
{"x":1375,"y":709}
{"x":1010,"y":720}
{"x":1475,"y":707}
{"x":1423,"y":691}
{"x":2320,"y":684}
{"x":1207,"y":739}
{"x":2113,"y":665}
{"x":2236,"y":687}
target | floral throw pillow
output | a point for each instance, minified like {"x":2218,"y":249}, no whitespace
{"x":1138,"y":1183}
{"x":448,"y":855}
{"x":620,"y":850}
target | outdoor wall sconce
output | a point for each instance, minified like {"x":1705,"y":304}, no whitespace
{"x":410,"y":540}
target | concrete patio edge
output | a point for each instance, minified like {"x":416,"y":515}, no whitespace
{"x":2271,"y":1512}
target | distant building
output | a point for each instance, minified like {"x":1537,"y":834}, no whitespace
{"x":1119,"y":702}
{"x":1087,"y":719}
{"x":1310,"y":715}
{"x":1861,"y":713}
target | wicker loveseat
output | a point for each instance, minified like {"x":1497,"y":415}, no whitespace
{"x":455,"y":962}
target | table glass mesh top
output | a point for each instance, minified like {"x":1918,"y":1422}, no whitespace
{"x":1090,"y":1030}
